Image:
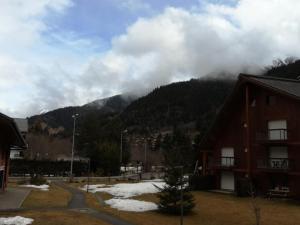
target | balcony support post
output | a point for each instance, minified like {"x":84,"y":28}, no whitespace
{"x":248,"y":132}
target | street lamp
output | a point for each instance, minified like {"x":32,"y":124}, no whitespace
{"x":88,"y":175}
{"x":121,"y":146}
{"x":73,"y":143}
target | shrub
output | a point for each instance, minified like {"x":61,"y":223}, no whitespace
{"x":37,"y":180}
{"x":201,"y":182}
{"x":243,"y":187}
{"x":21,"y":182}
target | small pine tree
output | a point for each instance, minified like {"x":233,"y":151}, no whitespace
{"x":170,"y":195}
{"x":177,"y":151}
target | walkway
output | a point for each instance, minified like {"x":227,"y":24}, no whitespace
{"x":13,"y":198}
{"x":78,"y":204}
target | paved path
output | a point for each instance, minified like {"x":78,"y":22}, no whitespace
{"x":13,"y":198}
{"x":78,"y":204}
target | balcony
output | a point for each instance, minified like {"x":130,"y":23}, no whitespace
{"x":277,"y":134}
{"x":275,"y":164}
{"x":225,"y":162}
{"x":273,"y":135}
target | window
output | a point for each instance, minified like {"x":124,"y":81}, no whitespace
{"x":227,"y":157}
{"x":277,"y":130}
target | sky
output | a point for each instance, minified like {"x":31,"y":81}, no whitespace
{"x":57,"y":53}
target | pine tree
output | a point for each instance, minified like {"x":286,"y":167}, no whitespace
{"x":177,"y":149}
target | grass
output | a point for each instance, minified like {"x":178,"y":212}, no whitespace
{"x":55,"y":197}
{"x":57,"y":218}
{"x":212,"y":209}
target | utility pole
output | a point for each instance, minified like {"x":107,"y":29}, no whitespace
{"x":73,"y":144}
{"x":121,"y":146}
{"x":145,"y":155}
{"x":88,"y":175}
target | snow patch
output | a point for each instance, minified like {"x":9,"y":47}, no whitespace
{"x":17,"y":220}
{"x":128,"y":190}
{"x":44,"y":187}
{"x":131,"y":205}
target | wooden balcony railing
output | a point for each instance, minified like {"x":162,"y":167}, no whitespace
{"x":275,"y":164}
{"x":225,"y":162}
{"x":273,"y":135}
{"x":277,"y":134}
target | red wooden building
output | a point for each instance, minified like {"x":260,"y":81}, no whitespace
{"x":256,"y":135}
{"x":10,"y":137}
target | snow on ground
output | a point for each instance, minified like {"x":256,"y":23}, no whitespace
{"x":131,"y":205}
{"x":44,"y":187}
{"x":127,"y":190}
{"x":17,"y":220}
{"x":123,"y":191}
{"x":93,"y":187}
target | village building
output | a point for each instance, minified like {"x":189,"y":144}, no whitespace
{"x":10,"y":137}
{"x":22,"y":125}
{"x":256,"y":135}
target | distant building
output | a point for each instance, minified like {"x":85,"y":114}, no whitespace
{"x":22,"y":125}
{"x":256,"y":136}
{"x":10,"y":138}
{"x":76,"y":158}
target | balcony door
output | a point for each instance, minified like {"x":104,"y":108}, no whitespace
{"x":227,"y":158}
{"x":278,"y":157}
{"x":277,"y":130}
{"x":227,"y":181}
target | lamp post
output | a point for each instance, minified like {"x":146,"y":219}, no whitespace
{"x":121,"y":146}
{"x":88,"y":175}
{"x":73,"y":143}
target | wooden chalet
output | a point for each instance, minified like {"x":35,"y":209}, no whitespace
{"x":257,"y":136}
{"x":10,"y":138}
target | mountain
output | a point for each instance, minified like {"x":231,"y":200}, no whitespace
{"x":59,"y":122}
{"x":195,"y":101}
{"x":192,"y":104}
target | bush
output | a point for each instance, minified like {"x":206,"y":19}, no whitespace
{"x":22,"y":182}
{"x":243,"y":187}
{"x":201,"y":182}
{"x":37,"y":180}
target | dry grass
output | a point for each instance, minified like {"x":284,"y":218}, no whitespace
{"x":212,"y":209}
{"x":57,"y":218}
{"x":55,"y":197}
{"x":106,"y":182}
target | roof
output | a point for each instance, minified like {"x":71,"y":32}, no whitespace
{"x":22,"y":124}
{"x":12,"y":131}
{"x":287,"y":86}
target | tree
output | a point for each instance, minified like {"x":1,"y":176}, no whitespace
{"x":99,"y":140}
{"x":176,"y":196}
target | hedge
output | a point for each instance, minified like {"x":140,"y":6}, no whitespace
{"x":22,"y":167}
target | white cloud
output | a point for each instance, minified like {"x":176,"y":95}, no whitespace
{"x":180,"y":44}
{"x":175,"y":44}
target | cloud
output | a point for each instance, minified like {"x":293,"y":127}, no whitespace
{"x":179,"y":44}
{"x":134,"y":5}
{"x":173,"y":45}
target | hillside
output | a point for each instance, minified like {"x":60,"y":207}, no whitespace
{"x":59,"y":122}
{"x":192,"y":104}
{"x":195,"y":101}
